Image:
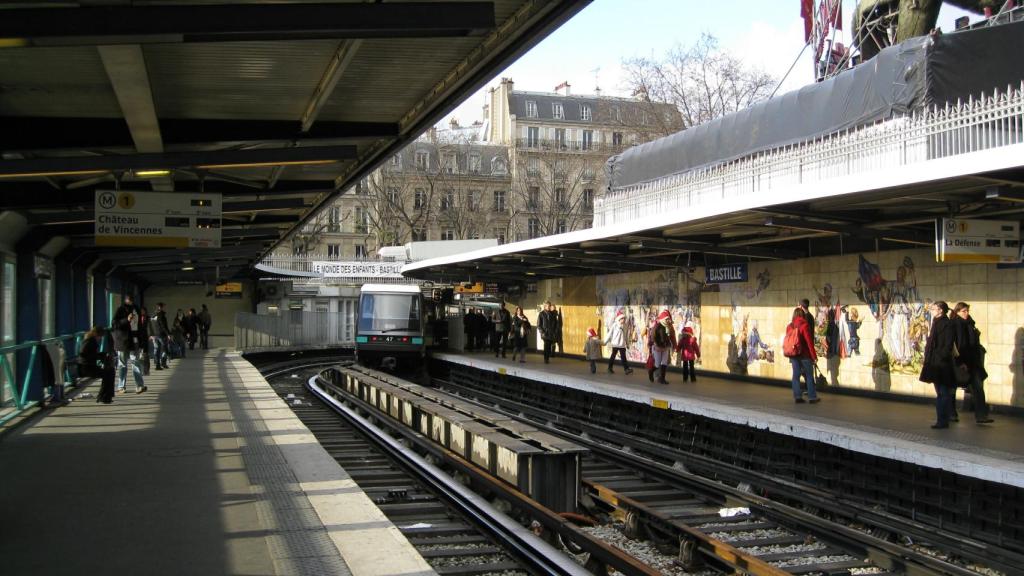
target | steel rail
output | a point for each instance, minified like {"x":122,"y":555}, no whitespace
{"x":526,"y":546}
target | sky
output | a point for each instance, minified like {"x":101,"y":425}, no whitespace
{"x":588,"y":50}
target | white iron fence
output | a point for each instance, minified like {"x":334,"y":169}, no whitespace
{"x":989,"y":122}
{"x":294,"y":329}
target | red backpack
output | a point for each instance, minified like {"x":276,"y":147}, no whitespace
{"x":792,"y":346}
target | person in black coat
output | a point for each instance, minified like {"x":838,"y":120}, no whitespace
{"x":126,"y":331}
{"x":972,"y":357}
{"x":468,"y":323}
{"x":938,"y":362}
{"x":95,"y":361}
{"x":191,"y":327}
{"x":547,"y":321}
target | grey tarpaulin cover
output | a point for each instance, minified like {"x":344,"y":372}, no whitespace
{"x":901,"y":78}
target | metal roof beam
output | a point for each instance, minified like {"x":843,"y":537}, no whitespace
{"x":23,"y":133}
{"x":599,"y":264}
{"x":213,"y":159}
{"x":177,"y":265}
{"x":104,"y":25}
{"x":709,"y":248}
{"x":854,"y":230}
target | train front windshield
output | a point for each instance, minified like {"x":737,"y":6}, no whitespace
{"x":389,"y":313}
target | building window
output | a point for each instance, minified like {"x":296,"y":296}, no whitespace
{"x":588,"y":197}
{"x":560,"y":199}
{"x":448,"y":234}
{"x":499,"y":233}
{"x":499,"y":200}
{"x":498,"y":166}
{"x":362,"y":224}
{"x":644,"y":119}
{"x":419,"y":235}
{"x":473,"y":200}
{"x":585,"y":112}
{"x":556,"y":111}
{"x":450,"y":163}
{"x":588,"y":173}
{"x":533,"y":198}
{"x":360,"y":251}
{"x":333,"y":251}
{"x":533,"y":228}
{"x":533,"y":166}
{"x":531,"y":108}
{"x":448,"y":199}
{"x":616,"y":114}
{"x":616,"y":138}
{"x":588,"y":139}
{"x":474,"y":163}
{"x":559,"y":167}
{"x":334,"y":219}
{"x":419,"y":199}
{"x":422,"y":158}
{"x":560,"y":137}
{"x":562,"y":229}
{"x":396,"y":162}
{"x":392,"y":195}
{"x":532,"y":136}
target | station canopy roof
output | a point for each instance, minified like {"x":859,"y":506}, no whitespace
{"x":278,"y":106}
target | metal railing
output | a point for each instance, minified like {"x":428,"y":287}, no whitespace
{"x":988,"y":122}
{"x":569,"y":145}
{"x":19,"y":392}
{"x":297,"y":329}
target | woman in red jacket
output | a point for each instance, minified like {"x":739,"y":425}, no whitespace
{"x":803,"y":361}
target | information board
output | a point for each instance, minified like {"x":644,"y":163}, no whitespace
{"x":965,"y":240}
{"x":228,"y":290}
{"x":158,"y":219}
{"x":357,"y":269}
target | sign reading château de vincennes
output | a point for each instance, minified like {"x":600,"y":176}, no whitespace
{"x":978,"y":241}
{"x":157,"y":219}
{"x":357,"y":269}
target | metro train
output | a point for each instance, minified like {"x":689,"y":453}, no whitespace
{"x":391,"y":326}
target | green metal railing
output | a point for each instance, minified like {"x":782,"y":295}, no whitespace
{"x":20,"y":394}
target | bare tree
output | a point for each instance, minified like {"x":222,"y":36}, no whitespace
{"x":553,"y":192}
{"x":703,"y":81}
{"x":398,"y":201}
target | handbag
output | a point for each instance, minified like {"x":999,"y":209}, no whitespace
{"x":962,"y":374}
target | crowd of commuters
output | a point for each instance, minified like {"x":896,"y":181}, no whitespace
{"x":137,"y":341}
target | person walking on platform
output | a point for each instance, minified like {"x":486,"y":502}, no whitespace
{"x":592,"y":349}
{"x":688,"y":350}
{"x":158,"y":333}
{"x":502,"y":323}
{"x":178,"y":333}
{"x":938,"y":362}
{"x":205,"y":321}
{"x":468,"y":322}
{"x":664,"y":341}
{"x":126,"y":328}
{"x":480,"y":329}
{"x":558,"y":330}
{"x":971,"y":359}
{"x":547,"y":321}
{"x":142,"y":340}
{"x":618,"y":340}
{"x":191,"y":326}
{"x":520,"y":333}
{"x":798,"y":346}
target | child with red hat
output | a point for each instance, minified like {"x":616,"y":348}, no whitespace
{"x":617,"y":339}
{"x":689,"y":350}
{"x":592,"y":349}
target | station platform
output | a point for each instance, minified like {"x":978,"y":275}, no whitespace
{"x":887,"y":428}
{"x":207,"y":472}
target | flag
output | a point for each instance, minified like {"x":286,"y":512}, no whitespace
{"x":807,"y":13}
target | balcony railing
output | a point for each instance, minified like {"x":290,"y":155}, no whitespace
{"x":989,"y":122}
{"x":569,"y":146}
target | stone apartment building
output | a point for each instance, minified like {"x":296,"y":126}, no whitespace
{"x":533,"y":167}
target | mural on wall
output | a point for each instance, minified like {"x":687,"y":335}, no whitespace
{"x":745,"y":343}
{"x":902,"y":316}
{"x":642,"y":297}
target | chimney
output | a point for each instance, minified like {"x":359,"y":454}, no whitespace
{"x":563,"y":85}
{"x":454,"y":123}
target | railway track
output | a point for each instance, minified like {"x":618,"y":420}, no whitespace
{"x":715,"y":518}
{"x":456,"y":538}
